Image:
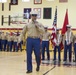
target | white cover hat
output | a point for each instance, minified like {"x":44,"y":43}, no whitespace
{"x":45,"y":26}
{"x":58,"y":29}
{"x":33,"y":12}
{"x":68,"y":26}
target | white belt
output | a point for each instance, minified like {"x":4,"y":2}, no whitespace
{"x":45,"y":39}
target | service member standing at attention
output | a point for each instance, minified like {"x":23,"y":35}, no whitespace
{"x":0,"y":41}
{"x":3,"y":41}
{"x":9,"y":42}
{"x":45,"y":44}
{"x":15,"y":40}
{"x":74,"y":43}
{"x":68,"y":39}
{"x":33,"y":30}
{"x":57,"y":46}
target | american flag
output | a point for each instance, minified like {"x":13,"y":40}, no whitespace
{"x":63,"y":0}
{"x":53,"y":35}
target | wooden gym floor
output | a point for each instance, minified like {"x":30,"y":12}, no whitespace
{"x":14,"y":63}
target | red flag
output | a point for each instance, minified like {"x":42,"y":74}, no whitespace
{"x":53,"y":36}
{"x":66,"y":22}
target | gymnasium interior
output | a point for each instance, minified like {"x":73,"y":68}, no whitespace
{"x":13,"y":18}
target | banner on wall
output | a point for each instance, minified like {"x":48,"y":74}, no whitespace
{"x":14,"y":2}
{"x":47,"y":13}
{"x":63,"y":0}
{"x":39,"y":12}
{"x":27,"y":13}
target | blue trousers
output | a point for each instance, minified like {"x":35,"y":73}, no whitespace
{"x":75,"y":50}
{"x":45,"y":46}
{"x":33,"y":44}
{"x":55,"y":50}
{"x":20,"y":46}
{"x":3,"y":44}
{"x":0,"y":46}
{"x":15,"y":46}
{"x":67,"y":48}
{"x":9,"y":46}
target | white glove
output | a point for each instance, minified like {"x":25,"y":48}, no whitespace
{"x":17,"y":43}
{"x":57,"y":43}
{"x":19,"y":40}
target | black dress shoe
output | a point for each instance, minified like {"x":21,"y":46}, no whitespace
{"x":59,"y":60}
{"x":37,"y":69}
{"x":42,"y":59}
{"x":74,"y":60}
{"x":28,"y":71}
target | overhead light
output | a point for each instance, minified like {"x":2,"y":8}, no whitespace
{"x":3,"y":1}
{"x":25,"y":0}
{"x":49,"y":0}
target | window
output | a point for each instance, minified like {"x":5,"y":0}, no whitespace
{"x":3,"y":1}
{"x":25,"y":0}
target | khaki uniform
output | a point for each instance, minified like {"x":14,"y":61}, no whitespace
{"x":74,"y":43}
{"x":9,"y":38}
{"x":15,"y":38}
{"x":32,"y":30}
{"x":46,"y":36}
{"x":3,"y":36}
{"x":68,"y":37}
{"x":58,"y":39}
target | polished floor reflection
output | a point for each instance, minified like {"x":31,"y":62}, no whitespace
{"x":14,"y":63}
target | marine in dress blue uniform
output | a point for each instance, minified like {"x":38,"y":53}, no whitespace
{"x":74,"y":44}
{"x":9,"y":42}
{"x":45,"y":44}
{"x":3,"y":41}
{"x":57,"y":46}
{"x":68,"y":40}
{"x":0,"y":41}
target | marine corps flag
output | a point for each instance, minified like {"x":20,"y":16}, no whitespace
{"x":66,"y":22}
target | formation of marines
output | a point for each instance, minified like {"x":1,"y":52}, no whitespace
{"x":8,"y":42}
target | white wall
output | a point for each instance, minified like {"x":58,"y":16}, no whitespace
{"x":61,"y":7}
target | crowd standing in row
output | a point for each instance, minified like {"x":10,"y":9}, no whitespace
{"x":8,"y":42}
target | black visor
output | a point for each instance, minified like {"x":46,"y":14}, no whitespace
{"x":34,"y":14}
